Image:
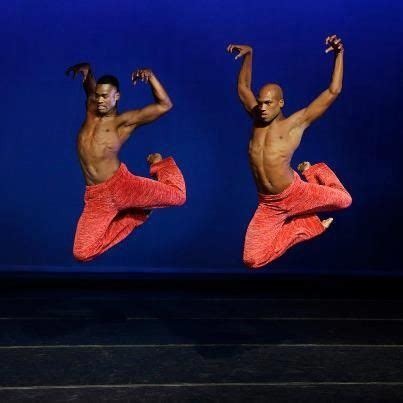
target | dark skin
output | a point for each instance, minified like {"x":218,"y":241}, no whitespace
{"x":104,"y":130}
{"x":276,"y":137}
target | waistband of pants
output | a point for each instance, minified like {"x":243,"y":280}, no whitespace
{"x":121,"y":171}
{"x":263,"y":198}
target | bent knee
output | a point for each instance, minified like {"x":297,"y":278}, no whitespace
{"x":181,"y":199}
{"x":83,"y":255}
{"x":347,"y":200}
{"x":253,"y":262}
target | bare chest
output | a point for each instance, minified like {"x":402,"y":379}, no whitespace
{"x":268,"y":139}
{"x":98,"y":134}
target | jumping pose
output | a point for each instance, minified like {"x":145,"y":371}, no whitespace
{"x":116,"y":201}
{"x":286,"y":214}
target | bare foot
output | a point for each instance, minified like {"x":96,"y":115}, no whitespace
{"x":326,"y":223}
{"x":153,"y":158}
{"x":303,"y":166}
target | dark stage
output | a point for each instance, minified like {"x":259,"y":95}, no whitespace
{"x":201,"y":339}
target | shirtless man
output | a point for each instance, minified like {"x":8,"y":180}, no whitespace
{"x":116,"y":202}
{"x":286,"y":214}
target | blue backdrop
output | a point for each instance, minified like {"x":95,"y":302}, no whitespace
{"x":207,"y":131}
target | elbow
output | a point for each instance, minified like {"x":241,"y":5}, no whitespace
{"x":168,"y":105}
{"x":164,"y":107}
{"x":243,"y":92}
{"x":335,"y":90}
{"x":242,"y":88}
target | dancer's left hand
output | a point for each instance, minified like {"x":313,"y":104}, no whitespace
{"x":334,"y":43}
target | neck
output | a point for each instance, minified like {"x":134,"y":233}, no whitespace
{"x":277,"y":118}
{"x":112,"y":112}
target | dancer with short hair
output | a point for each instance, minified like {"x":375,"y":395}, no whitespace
{"x":116,"y":201}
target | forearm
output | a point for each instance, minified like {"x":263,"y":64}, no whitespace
{"x":337,"y":77}
{"x":245,"y":75}
{"x":89,"y":82}
{"x":319,"y":106}
{"x":161,"y":97}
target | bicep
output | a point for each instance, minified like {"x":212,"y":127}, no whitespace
{"x":144,"y":115}
{"x":247,"y":98}
{"x":317,"y":107}
{"x":90,"y":103}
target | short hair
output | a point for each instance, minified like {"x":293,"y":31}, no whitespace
{"x":108,"y":79}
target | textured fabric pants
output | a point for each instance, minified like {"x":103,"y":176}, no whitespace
{"x":114,"y":208}
{"x":285,"y":219}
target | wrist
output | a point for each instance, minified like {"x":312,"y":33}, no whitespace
{"x":152,"y":79}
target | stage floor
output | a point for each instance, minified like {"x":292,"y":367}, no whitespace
{"x":201,"y":340}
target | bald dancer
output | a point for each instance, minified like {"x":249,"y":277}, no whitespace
{"x":116,"y":201}
{"x":286,"y":213}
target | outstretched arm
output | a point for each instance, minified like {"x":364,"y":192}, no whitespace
{"x":245,"y":76}
{"x":89,"y":82}
{"x":319,"y":106}
{"x":162,"y":104}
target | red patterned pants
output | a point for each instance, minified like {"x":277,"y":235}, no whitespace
{"x":285,"y":219}
{"x":114,"y":208}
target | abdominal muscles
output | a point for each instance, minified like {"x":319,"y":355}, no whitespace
{"x":270,"y":164}
{"x":98,"y":155}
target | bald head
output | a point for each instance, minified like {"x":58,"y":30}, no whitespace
{"x":272,"y":91}
{"x":269,"y":102}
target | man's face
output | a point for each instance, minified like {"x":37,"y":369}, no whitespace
{"x":269,"y":106}
{"x":106,"y":96}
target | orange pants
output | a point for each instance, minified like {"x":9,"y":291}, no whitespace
{"x":285,"y":219}
{"x":114,"y":208}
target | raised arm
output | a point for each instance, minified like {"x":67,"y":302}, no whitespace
{"x":245,"y":76}
{"x":89,"y":82}
{"x":319,"y":106}
{"x":162,"y":104}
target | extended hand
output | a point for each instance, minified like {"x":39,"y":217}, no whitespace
{"x":242,"y":49}
{"x":334,"y":43}
{"x":83,"y":68}
{"x":141,"y":74}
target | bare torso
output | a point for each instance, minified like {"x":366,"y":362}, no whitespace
{"x":270,"y":151}
{"x":104,"y":131}
{"x":275,"y":138}
{"x":98,"y":143}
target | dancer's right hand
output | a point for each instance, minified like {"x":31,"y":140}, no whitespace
{"x":83,"y":68}
{"x":242,"y":49}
